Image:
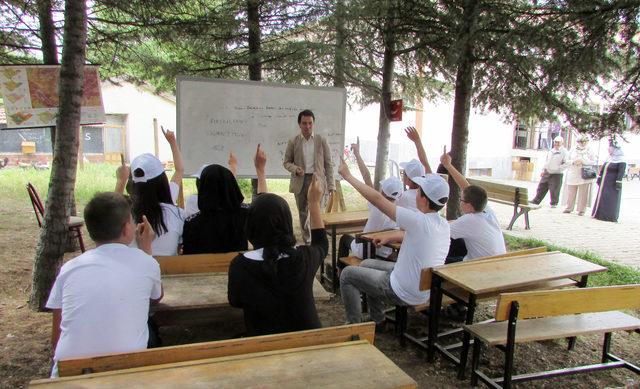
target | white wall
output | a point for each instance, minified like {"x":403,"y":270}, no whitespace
{"x":141,"y":106}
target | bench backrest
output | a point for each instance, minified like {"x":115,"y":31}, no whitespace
{"x":504,"y":192}
{"x":569,"y":301}
{"x":195,"y":263}
{"x":222,"y":348}
{"x":425,"y":275}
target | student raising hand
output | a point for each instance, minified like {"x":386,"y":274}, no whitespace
{"x":145,"y":235}
{"x":343,"y":169}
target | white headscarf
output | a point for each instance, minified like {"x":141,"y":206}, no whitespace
{"x":615,"y":154}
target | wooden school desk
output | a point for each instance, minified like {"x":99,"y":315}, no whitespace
{"x":496,"y":276}
{"x":355,"y":364}
{"x":339,"y":223}
{"x":192,"y":297}
{"x":368,"y":249}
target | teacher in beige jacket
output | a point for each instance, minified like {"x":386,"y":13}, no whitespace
{"x":307,"y":153}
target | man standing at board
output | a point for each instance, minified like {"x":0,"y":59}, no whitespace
{"x":307,"y":153}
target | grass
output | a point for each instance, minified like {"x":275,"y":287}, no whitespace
{"x":616,"y":274}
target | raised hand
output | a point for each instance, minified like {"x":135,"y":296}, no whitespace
{"x":145,"y":235}
{"x":122,"y":173}
{"x":343,"y":169}
{"x":445,"y":158}
{"x":169,"y":135}
{"x":315,"y":193}
{"x":260,"y":159}
{"x":412,"y":134}
{"x":355,"y":147}
{"x":233,"y":161}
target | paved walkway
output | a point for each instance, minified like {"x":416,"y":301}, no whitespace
{"x":615,"y":242}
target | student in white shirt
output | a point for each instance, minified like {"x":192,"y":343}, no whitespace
{"x":425,"y":242}
{"x":478,"y":227}
{"x":154,"y":196}
{"x":100,"y":299}
{"x":411,"y":169}
{"x":391,"y":188}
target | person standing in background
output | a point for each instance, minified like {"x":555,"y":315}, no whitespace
{"x":577,"y":185}
{"x":308,"y":153}
{"x":607,"y":204}
{"x":551,"y":181}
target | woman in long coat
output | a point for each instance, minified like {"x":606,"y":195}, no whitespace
{"x":576,"y":185}
{"x":607,"y":205}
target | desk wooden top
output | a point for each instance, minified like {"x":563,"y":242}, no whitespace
{"x":495,"y":275}
{"x":341,"y":219}
{"x":205,"y":290}
{"x":356,"y":364}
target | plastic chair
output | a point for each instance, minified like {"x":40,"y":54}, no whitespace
{"x":75,"y":223}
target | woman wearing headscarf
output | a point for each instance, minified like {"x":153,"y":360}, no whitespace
{"x":580,"y":157}
{"x":607,"y":205}
{"x":274,"y":283}
{"x":219,"y":226}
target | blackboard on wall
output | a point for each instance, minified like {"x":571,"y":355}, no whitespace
{"x":218,"y":116}
{"x":11,"y":140}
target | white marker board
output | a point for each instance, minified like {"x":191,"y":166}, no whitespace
{"x":217,"y":116}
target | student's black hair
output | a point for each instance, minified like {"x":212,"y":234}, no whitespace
{"x":476,"y":196}
{"x":105,"y":215}
{"x":433,"y":206}
{"x":306,"y":112}
{"x":147,"y":197}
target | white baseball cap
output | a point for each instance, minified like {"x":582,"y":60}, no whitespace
{"x":435,"y":187}
{"x":150,"y":165}
{"x":413,"y":169}
{"x":391,"y":187}
{"x":199,"y":172}
{"x":558,"y":139}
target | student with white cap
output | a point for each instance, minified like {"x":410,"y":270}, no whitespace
{"x":551,"y":177}
{"x":391,"y":188}
{"x":425,"y":243}
{"x":154,"y":196}
{"x":412,"y":169}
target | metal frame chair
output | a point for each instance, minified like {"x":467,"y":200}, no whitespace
{"x":75,"y":223}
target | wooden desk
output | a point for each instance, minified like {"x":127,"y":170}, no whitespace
{"x":497,"y":275}
{"x":368,"y":238}
{"x":356,"y":364}
{"x":341,"y":223}
{"x":186,"y":294}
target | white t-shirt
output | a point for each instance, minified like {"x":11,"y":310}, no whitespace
{"x":408,"y":199}
{"x":191,"y":205}
{"x":377,"y":221}
{"x":425,"y":244}
{"x":167,"y":243}
{"x":481,"y":233}
{"x":104,"y":296}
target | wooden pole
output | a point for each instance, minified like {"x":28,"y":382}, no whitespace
{"x":156,"y":147}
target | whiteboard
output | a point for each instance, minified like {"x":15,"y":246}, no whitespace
{"x":216,"y":117}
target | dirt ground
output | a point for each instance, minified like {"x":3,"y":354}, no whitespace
{"x":25,"y":335}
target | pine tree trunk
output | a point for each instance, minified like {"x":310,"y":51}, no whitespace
{"x":338,"y":64}
{"x":48,"y":39}
{"x":382,"y":155}
{"x":462,"y":103}
{"x":253,"y":18}
{"x":53,"y":235}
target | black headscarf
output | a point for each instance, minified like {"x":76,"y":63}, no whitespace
{"x":270,"y":226}
{"x":218,"y":190}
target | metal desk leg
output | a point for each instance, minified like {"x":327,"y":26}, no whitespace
{"x":435,"y":302}
{"x":466,"y":337}
{"x":334,"y":273}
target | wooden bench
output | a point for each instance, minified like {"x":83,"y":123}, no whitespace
{"x":222,"y":348}
{"x":516,"y":196}
{"x":554,"y":314}
{"x":460,"y":295}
